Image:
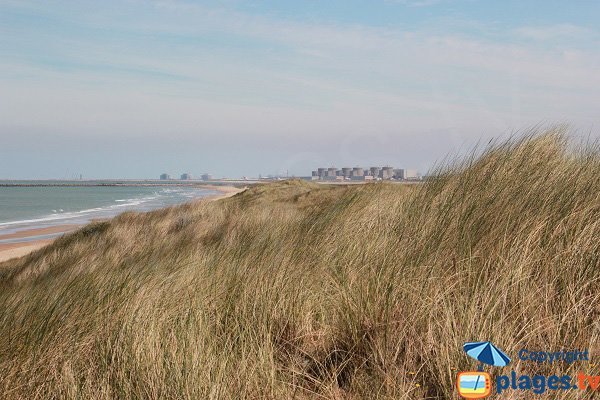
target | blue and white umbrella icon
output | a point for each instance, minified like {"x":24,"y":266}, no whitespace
{"x":486,"y":353}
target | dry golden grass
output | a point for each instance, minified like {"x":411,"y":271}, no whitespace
{"x":297,"y":290}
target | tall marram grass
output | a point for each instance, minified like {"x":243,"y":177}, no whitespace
{"x":295,"y":290}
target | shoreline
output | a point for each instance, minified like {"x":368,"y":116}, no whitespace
{"x":126,"y":183}
{"x":11,"y":250}
{"x":37,"y":232}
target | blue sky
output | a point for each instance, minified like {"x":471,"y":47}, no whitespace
{"x":135,"y":88}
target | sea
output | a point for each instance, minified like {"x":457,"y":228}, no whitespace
{"x":28,"y":205}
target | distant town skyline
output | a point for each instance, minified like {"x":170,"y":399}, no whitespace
{"x":133,"y":89}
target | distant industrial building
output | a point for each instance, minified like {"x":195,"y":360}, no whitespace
{"x":362,"y":178}
{"x":386,"y":173}
{"x":165,"y":177}
{"x":407,"y":174}
{"x":364,"y":174}
{"x":374,"y":172}
{"x":357,"y":172}
{"x":207,"y":177}
{"x":186,"y":177}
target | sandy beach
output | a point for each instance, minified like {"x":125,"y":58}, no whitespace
{"x":13,"y":250}
{"x":224,"y":191}
{"x":37,"y":232}
{"x":19,"y":249}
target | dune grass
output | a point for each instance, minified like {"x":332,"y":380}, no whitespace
{"x":295,"y":290}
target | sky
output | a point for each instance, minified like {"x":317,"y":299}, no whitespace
{"x":135,"y":88}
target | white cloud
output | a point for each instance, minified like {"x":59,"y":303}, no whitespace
{"x":558,"y":31}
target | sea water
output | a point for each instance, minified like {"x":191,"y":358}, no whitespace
{"x":31,"y":205}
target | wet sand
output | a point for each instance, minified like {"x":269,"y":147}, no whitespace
{"x":37,"y":232}
{"x":20,"y":249}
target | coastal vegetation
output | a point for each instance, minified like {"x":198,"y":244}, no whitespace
{"x":296,"y":290}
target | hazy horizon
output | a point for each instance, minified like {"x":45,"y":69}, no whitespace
{"x":136,"y":88}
